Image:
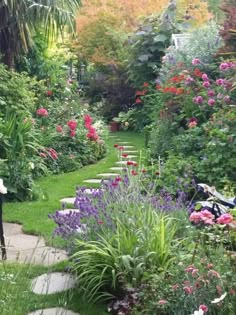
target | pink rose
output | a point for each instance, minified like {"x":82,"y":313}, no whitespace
{"x":211,"y":102}
{"x":225,"y":219}
{"x":42,"y":112}
{"x":206,"y":84}
{"x":72,"y":124}
{"x":203,"y":307}
{"x":196,"y":61}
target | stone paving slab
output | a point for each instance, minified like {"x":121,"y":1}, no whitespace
{"x":107,"y":175}
{"x":117,"y":168}
{"x":94,"y":181}
{"x":53,"y":311}
{"x":128,"y":147}
{"x":44,"y":256}
{"x":124,"y":162}
{"x":129,"y":157}
{"x":24,"y":248}
{"x":68,"y":211}
{"x":130,"y":151}
{"x":69,"y":200}
{"x":124,"y":142}
{"x":11,"y":229}
{"x":50,"y":283}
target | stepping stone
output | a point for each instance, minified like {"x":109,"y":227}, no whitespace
{"x":31,"y":249}
{"x":68,"y":211}
{"x":53,"y":311}
{"x":123,"y":142}
{"x":130,"y":151}
{"x":95,"y":181}
{"x":129,"y":157}
{"x":117,"y":168}
{"x":50,"y":283}
{"x":124,"y":162}
{"x":128,"y":147}
{"x":69,"y":200}
{"x":107,"y":175}
{"x":90,"y":191}
{"x":11,"y":229}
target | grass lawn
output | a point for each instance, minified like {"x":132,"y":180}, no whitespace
{"x":34,"y":218}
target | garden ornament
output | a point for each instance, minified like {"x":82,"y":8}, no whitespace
{"x":216,"y":203}
{"x":3,"y":190}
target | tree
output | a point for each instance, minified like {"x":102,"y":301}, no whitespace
{"x":19,"y":19}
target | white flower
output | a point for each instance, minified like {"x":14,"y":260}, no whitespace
{"x":198,"y":312}
{"x":221,"y":298}
{"x":3,"y":189}
{"x":31,"y":164}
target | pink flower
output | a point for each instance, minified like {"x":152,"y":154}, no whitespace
{"x":53,"y":154}
{"x":72,"y":133}
{"x":42,"y":112}
{"x":121,"y":148}
{"x":162,"y":302}
{"x":204,"y":308}
{"x":195,"y":217}
{"x":227,"y":99}
{"x":134,"y":173}
{"x":209,"y":266}
{"x":118,"y":179}
{"x":212,"y":273}
{"x":190,"y":268}
{"x":224,"y":66}
{"x":206,"y":84}
{"x":196,"y":61}
{"x":205,"y":77}
{"x":175,"y":286}
{"x":211,"y":102}
{"x":59,"y":128}
{"x":42,"y":154}
{"x":220,"y":81}
{"x":211,"y":93}
{"x":195,"y":272}
{"x":192,"y":124}
{"x":198,"y":99}
{"x":72,"y":124}
{"x":225,"y":219}
{"x":188,"y":290}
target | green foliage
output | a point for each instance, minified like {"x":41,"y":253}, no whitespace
{"x":142,"y":239}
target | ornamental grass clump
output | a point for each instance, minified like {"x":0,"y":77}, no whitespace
{"x":119,"y":233}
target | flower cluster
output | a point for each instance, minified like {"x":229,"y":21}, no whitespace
{"x":92,"y":132}
{"x":206,"y":217}
{"x":49,"y":152}
{"x":42,"y":112}
{"x":72,"y":124}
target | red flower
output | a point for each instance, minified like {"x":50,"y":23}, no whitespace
{"x":145,"y":84}
{"x":53,"y":153}
{"x":116,"y":145}
{"x":114,"y":183}
{"x":143,"y":171}
{"x":197,"y":72}
{"x":118,"y":179}
{"x":72,"y":133}
{"x":130,"y":163}
{"x":100,"y":222}
{"x":179,"y":91}
{"x":157,"y":173}
{"x":121,"y":148}
{"x":158,"y":87}
{"x":125,"y":155}
{"x":134,"y":173}
{"x":135,"y":164}
{"x":141,"y":93}
{"x":42,"y":112}
{"x":59,"y":128}
{"x":88,"y":121}
{"x":138,"y":100}
{"x":72,"y":124}
{"x":49,"y":93}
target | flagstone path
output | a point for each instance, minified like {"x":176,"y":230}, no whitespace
{"x":53,"y":311}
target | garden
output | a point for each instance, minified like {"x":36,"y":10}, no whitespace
{"x":118,"y":157}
